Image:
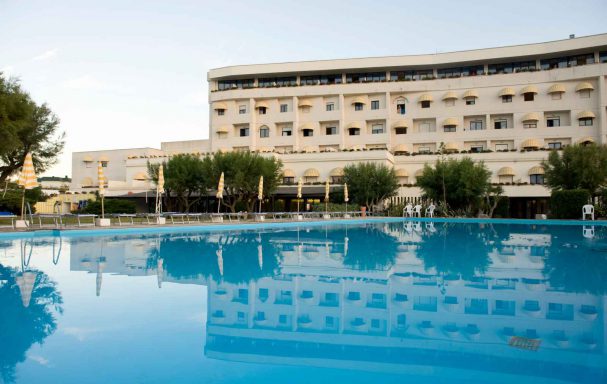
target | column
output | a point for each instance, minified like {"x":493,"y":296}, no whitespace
{"x":252,"y":125}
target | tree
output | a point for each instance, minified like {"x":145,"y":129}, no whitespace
{"x":185,"y":178}
{"x":26,"y":127}
{"x":458,"y":185}
{"x":241,"y":176}
{"x":577,"y":167}
{"x":10,"y":198}
{"x":370,"y":183}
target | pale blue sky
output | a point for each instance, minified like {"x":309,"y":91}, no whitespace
{"x":124,"y":74}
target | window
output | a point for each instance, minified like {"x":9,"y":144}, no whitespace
{"x":500,"y":124}
{"x":365,"y":77}
{"x":400,"y":131}
{"x":585,"y":121}
{"x":358,"y":106}
{"x":507,"y":99}
{"x":425,"y":104}
{"x":235,"y":84}
{"x":374,"y":323}
{"x":244,"y":131}
{"x":400,"y":108}
{"x":556,"y":96}
{"x":221,"y":112}
{"x":555,"y":145}
{"x":305,"y":109}
{"x":284,"y":108}
{"x":331,"y":131}
{"x":470,"y":100}
{"x":536,"y":179}
{"x":553,"y":121}
{"x":529,"y":96}
{"x":330,"y":107}
{"x":241,"y":316}
{"x":476,"y":125}
{"x":287,"y":131}
{"x":288,"y":180}
{"x":308,"y":132}
{"x":262,"y":110}
{"x":264,"y":131}
{"x":603,"y":57}
{"x":530,"y":124}
{"x":282,"y":319}
{"x":423,"y":150}
{"x":263,"y":294}
{"x":449,"y":128}
{"x":501,"y":147}
{"x":242,"y":109}
{"x":585,"y":94}
{"x":375,"y":104}
{"x":450,"y":102}
{"x":425,"y":127}
{"x":477,"y":149}
{"x":104,"y":163}
{"x":354,"y":131}
{"x":321,"y":80}
{"x":277,"y":81}
{"x":377,"y":129}
{"x":520,"y":66}
{"x":337,"y":179}
{"x":329,"y":321}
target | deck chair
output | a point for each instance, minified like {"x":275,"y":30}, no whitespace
{"x":408,"y":210}
{"x":417,"y":210}
{"x":430,"y":210}
{"x":588,"y":210}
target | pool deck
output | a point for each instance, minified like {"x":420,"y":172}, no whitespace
{"x":10,"y":233}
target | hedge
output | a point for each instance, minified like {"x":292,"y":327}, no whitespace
{"x":568,"y":204}
{"x":110,"y":206}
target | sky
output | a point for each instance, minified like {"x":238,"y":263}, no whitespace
{"x":130,"y":74}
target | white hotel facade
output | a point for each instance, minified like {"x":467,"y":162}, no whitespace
{"x":504,"y":106}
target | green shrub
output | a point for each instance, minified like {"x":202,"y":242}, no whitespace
{"x":11,"y":200}
{"x":110,"y":206}
{"x":568,"y":204}
{"x":332,"y":207}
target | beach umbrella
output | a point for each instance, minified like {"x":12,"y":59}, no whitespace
{"x":219,"y":194}
{"x":160,"y":272}
{"x":26,"y":282}
{"x":346,"y":197}
{"x":327,"y":188}
{"x":260,"y":256}
{"x":99,"y":279}
{"x":260,"y":192}
{"x":159,"y":189}
{"x":299,"y":190}
{"x":101,"y":179}
{"x":27,"y":179}
{"x":219,"y":254}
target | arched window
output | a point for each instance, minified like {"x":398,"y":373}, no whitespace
{"x":264,"y":131}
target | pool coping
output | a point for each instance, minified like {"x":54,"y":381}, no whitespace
{"x":77,"y":232}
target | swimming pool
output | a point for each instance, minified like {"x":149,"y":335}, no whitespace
{"x":387,"y":301}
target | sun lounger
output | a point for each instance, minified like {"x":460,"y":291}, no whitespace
{"x":43,"y":218}
{"x":8,"y":217}
{"x":179,"y":218}
{"x":79,"y":218}
{"x":216,"y":217}
{"x":127,"y":217}
{"x":194,"y":217}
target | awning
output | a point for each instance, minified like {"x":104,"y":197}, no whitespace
{"x":104,"y":158}
{"x":529,"y":89}
{"x":556,"y":88}
{"x":87,"y":159}
{"x":450,"y":121}
{"x":306,"y":126}
{"x":359,"y":99}
{"x":141,"y":176}
{"x":585,"y":114}
{"x":305,"y":103}
{"x":507,"y":92}
{"x":311,"y":172}
{"x":450,"y":96}
{"x":425,"y":97}
{"x":505,"y":171}
{"x":530,"y":143}
{"x":537,"y":170}
{"x":584,"y":86}
{"x":401,"y":172}
{"x":219,"y":105}
{"x":401,"y":124}
{"x":355,"y":124}
{"x":261,"y":104}
{"x":585,"y":140}
{"x":450,"y":147}
{"x":400,"y":148}
{"x":470,"y":93}
{"x":288,"y":173}
{"x":223,"y":129}
{"x":531,"y":117}
{"x":337,"y":172}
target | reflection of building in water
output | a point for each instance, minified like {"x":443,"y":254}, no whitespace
{"x":320,"y":312}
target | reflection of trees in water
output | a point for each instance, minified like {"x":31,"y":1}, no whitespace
{"x":22,"y":324}
{"x":457,"y":249}
{"x":185,"y":258}
{"x":370,"y":248}
{"x":577,"y":266}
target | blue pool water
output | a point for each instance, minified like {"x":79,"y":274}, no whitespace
{"x":387,"y":302}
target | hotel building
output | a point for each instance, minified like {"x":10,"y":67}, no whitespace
{"x":504,"y":106}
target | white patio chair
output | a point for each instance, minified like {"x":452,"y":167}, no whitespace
{"x":408,"y":210}
{"x":417,"y":210}
{"x":588,"y":210}
{"x":417,"y":227}
{"x":588,"y":232}
{"x":430,"y":210}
